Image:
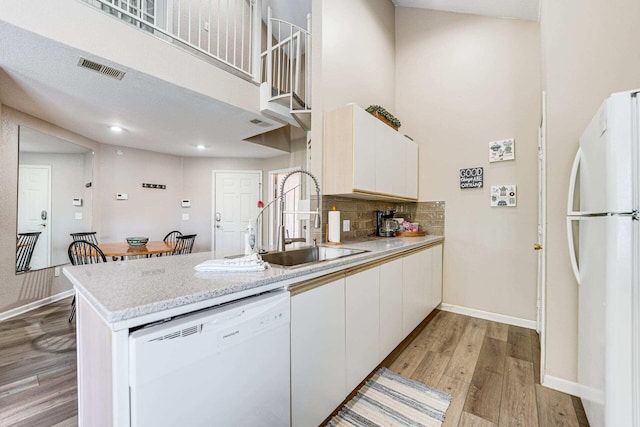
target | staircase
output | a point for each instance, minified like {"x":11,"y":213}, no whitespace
{"x":285,"y":89}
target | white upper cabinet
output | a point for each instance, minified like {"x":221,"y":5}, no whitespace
{"x":363,"y":157}
{"x":365,"y":143}
{"x":411,"y":174}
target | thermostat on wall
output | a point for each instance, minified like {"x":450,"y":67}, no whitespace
{"x":122,"y":196}
{"x":186,"y":203}
{"x":77,"y":202}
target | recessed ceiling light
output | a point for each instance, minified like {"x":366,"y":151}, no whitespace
{"x":116,"y":129}
{"x":200,"y":147}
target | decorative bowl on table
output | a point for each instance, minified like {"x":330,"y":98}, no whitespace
{"x":137,"y":241}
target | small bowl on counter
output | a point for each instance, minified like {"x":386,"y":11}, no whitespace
{"x":137,"y":241}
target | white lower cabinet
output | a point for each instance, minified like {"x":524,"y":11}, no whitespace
{"x":416,"y":289}
{"x":436,"y":277}
{"x":362,"y":292}
{"x":318,"y":364}
{"x":342,"y":330}
{"x":390,"y":307}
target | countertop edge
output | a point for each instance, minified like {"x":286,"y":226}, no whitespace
{"x":161,"y":309}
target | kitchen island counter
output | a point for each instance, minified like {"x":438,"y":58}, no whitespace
{"x":135,"y":292}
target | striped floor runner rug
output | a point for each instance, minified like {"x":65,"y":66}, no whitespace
{"x":389,"y":399}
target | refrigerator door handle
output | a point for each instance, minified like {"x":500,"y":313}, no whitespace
{"x":572,"y":249}
{"x":572,"y":182}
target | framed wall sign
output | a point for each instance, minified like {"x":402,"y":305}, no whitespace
{"x":503,"y":195}
{"x":502,"y":150}
{"x":471,"y":178}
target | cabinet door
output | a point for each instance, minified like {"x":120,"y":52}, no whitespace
{"x":399,"y":168}
{"x":390,"y":307}
{"x":386,"y":143}
{"x":436,"y":277}
{"x":364,"y":150}
{"x":363,"y":324}
{"x":412,"y":169}
{"x":317,"y":353}
{"x":416,"y":284}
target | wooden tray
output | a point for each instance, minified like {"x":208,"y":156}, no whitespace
{"x":411,"y":233}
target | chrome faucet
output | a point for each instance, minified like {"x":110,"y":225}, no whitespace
{"x":318,"y":220}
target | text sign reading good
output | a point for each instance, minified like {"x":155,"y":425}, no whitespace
{"x":471,"y":178}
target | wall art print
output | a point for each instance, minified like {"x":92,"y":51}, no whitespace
{"x":503,"y":195}
{"x":500,"y":151}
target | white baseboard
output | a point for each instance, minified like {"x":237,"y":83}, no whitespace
{"x":565,"y":386}
{"x":495,"y":317}
{"x":35,"y":304}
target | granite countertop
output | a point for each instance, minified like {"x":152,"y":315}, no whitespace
{"x":130,"y":289}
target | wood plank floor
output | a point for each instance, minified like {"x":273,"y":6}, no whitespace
{"x":491,"y":371}
{"x":38,"y":368}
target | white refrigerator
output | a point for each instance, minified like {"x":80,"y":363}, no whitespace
{"x":603,"y":236}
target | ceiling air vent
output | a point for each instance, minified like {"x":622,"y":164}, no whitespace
{"x":260,"y":123}
{"x":101,"y":68}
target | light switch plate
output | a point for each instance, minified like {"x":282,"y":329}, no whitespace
{"x":56,"y":272}
{"x":185,"y":217}
{"x":346,"y":225}
{"x":78,"y":215}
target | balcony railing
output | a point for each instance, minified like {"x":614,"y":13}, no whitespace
{"x":286,"y":64}
{"x":228,"y":31}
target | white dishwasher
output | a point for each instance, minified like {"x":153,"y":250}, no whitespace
{"x":225,"y":366}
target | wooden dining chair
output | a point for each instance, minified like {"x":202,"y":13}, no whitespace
{"x":25,"y":245}
{"x":171,"y":238}
{"x":83,"y":252}
{"x":184,"y":244}
{"x":87,"y":236}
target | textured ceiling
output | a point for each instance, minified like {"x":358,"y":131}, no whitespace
{"x":40,"y":77}
{"x":516,"y":9}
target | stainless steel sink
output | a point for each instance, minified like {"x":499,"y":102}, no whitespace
{"x":308,"y":255}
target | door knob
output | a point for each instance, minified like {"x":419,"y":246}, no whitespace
{"x":537,"y":246}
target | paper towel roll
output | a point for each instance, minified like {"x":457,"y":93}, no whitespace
{"x":334,"y":226}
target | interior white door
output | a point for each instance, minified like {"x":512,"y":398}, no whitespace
{"x":236,"y":194}
{"x":34,"y":209}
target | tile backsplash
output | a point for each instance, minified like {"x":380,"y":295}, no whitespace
{"x":361,"y":214}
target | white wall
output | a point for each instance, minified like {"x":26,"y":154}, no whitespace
{"x":148,"y":212}
{"x":590,"y":50}
{"x":463,"y":81}
{"x":353,"y":60}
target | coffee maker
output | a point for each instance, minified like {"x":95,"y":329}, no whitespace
{"x":385,"y":225}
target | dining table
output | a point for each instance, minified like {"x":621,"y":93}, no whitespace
{"x":122,"y":249}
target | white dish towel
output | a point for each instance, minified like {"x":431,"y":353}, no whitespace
{"x":252,"y":262}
